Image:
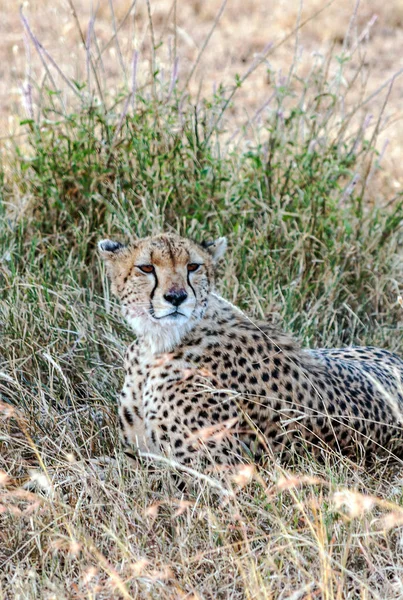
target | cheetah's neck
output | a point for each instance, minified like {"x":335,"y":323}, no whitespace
{"x":157,"y":340}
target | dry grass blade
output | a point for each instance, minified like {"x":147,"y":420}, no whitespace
{"x":183,"y":468}
{"x":270,"y":48}
{"x":204,"y":45}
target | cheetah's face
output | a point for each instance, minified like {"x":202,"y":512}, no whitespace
{"x":163,"y":282}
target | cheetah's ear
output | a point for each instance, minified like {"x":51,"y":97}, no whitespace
{"x":110,"y":250}
{"x":216,"y":248}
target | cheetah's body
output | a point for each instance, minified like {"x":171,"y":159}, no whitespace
{"x":231,"y":387}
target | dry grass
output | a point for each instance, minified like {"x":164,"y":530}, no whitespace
{"x":81,"y":527}
{"x":245,"y":29}
{"x":314,"y":235}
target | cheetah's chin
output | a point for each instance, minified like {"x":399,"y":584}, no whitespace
{"x":175,"y":318}
{"x":162,"y":334}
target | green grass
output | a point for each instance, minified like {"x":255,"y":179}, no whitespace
{"x":304,"y":243}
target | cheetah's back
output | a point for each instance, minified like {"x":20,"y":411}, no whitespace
{"x":364,"y":394}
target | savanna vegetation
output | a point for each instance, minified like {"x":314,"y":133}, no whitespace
{"x":315,"y":242}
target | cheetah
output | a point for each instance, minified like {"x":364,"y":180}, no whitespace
{"x":204,"y":381}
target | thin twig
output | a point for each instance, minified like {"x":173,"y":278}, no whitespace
{"x":387,"y":83}
{"x":175,"y":32}
{"x":119,"y":27}
{"x":176,"y":465}
{"x":88,"y":53}
{"x":174,"y":79}
{"x":206,"y":41}
{"x":270,"y":50}
{"x":134,"y":77}
{"x":297,"y":28}
{"x":40,"y":50}
{"x":373,"y":138}
{"x":116,"y":39}
{"x":153,"y":65}
{"x":351,"y":22}
{"x":80,"y":31}
{"x":130,"y":98}
{"x":27,"y":85}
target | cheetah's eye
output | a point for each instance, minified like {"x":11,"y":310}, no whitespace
{"x":146,"y":268}
{"x":193,"y":266}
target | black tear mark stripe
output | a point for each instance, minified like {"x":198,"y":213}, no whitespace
{"x":155,"y":286}
{"x":188,"y":280}
{"x":190,"y":285}
{"x":156,"y":283}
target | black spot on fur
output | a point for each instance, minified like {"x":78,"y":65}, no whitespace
{"x":127,"y":415}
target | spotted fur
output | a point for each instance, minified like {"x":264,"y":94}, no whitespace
{"x":204,"y":380}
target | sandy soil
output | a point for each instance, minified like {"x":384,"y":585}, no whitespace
{"x":245,"y":29}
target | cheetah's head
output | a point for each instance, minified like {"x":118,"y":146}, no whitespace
{"x":163,"y":283}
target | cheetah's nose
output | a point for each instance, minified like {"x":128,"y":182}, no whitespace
{"x":176,"y":297}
